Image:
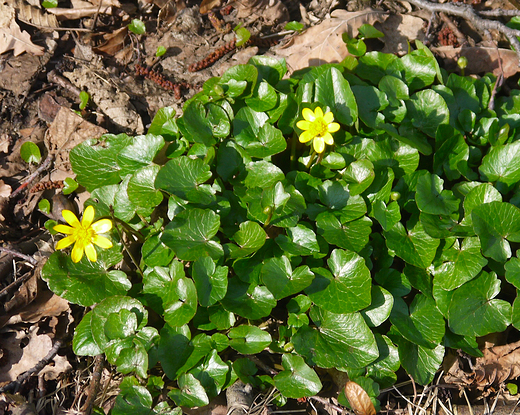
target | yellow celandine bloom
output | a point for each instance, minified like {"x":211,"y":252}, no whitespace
{"x":83,"y":234}
{"x":317,"y":127}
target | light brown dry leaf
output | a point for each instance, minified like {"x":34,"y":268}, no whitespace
{"x":12,"y":37}
{"x":68,"y":130}
{"x":208,"y":5}
{"x":498,"y":365}
{"x":5,"y":189}
{"x":74,"y":14}
{"x":480,"y":59}
{"x":399,"y":29}
{"x":323,"y":43}
{"x":33,"y":15}
{"x":20,"y":360}
{"x":270,"y":12}
{"x":114,"y":42}
{"x":359,"y":399}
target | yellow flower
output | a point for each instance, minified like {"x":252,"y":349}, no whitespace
{"x":317,"y":127}
{"x":83,"y":234}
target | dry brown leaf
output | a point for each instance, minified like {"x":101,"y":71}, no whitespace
{"x":359,"y":399}
{"x":12,"y":37}
{"x":270,"y":12}
{"x":498,"y":365}
{"x":33,"y":15}
{"x":208,"y":5}
{"x":323,"y":43}
{"x":480,"y":60}
{"x":114,"y":42}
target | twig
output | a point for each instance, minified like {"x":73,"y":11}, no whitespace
{"x":29,"y":259}
{"x":499,"y":13}
{"x":466,"y":11}
{"x":94,"y":385}
{"x":326,"y":403}
{"x":32,"y":176}
{"x":267,"y":369}
{"x":15,"y":384}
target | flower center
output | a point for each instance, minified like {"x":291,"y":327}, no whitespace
{"x":84,"y":236}
{"x":318,"y":127}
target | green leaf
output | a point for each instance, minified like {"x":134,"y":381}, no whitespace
{"x":300,"y":240}
{"x":183,"y":177}
{"x":502,"y":164}
{"x":383,"y":369}
{"x":45,"y":206}
{"x":420,"y":362}
{"x":432,"y":199}
{"x":86,"y":283}
{"x":49,"y":4}
{"x":512,"y":268}
{"x":171,"y":294}
{"x":190,"y":393}
{"x":496,"y":223}
{"x":380,"y":307}
{"x":240,"y":80}
{"x":69,"y":186}
{"x":297,"y":379}
{"x":333,"y":90}
{"x":30,"y":152}
{"x":137,"y":26}
{"x":242,"y":36}
{"x":419,"y":69}
{"x":190,"y":234}
{"x":83,"y":342}
{"x":387,"y":216}
{"x":346,"y":288}
{"x":132,"y":399}
{"x":249,"y":301}
{"x":294,"y":25}
{"x":141,"y":188}
{"x":474,"y":311}
{"x":359,"y":175}
{"x":161,"y":50}
{"x":111,"y":305}
{"x":423,"y":324}
{"x":262,"y":174}
{"x":196,"y":125}
{"x":249,"y":339}
{"x":338,"y":340}
{"x":164,"y":123}
{"x":264,"y":97}
{"x":281,"y":280}
{"x":155,"y":253}
{"x":460,"y":264}
{"x":367,"y":31}
{"x":210,"y":280}
{"x":356,"y":47}
{"x":414,"y":246}
{"x":84,"y":98}
{"x":427,"y":110}
{"x":371,"y":101}
{"x":351,"y":235}
{"x":212,"y":373}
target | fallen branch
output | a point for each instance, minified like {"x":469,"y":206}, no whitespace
{"x":466,"y":11}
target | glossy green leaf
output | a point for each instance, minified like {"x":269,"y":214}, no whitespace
{"x":190,"y":234}
{"x":350,"y":235}
{"x":346,"y":288}
{"x":262,"y":174}
{"x":414,"y":246}
{"x":137,"y":26}
{"x":474,"y":310}
{"x":297,"y":379}
{"x":264,"y":97}
{"x":380,"y":307}
{"x":155,"y":253}
{"x":383,"y":369}
{"x":338,"y":340}
{"x":190,"y":393}
{"x":497,"y":223}
{"x":387,"y":216}
{"x":164,"y":123}
{"x":196,"y":125}
{"x":212,"y":373}
{"x":248,"y":339}
{"x":249,"y":301}
{"x":279,"y":277}
{"x":359,"y":175}
{"x":249,"y":238}
{"x":30,"y":152}
{"x":141,"y":188}
{"x":300,"y":240}
{"x":427,"y":110}
{"x":210,"y":281}
{"x":502,"y":164}
{"x":432,"y":199}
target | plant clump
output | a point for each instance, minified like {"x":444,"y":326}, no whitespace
{"x":377,"y":251}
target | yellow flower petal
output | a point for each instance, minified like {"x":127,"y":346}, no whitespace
{"x":67,"y":230}
{"x":328,"y":117}
{"x":333,"y":127}
{"x":102,"y":225}
{"x":303,"y":125}
{"x":77,"y":252}
{"x":305,"y":137}
{"x":71,"y":218}
{"x":318,"y":112}
{"x":65,"y":242}
{"x":102,"y":242}
{"x":328,"y":139}
{"x":88,"y":216}
{"x":319,"y":145}
{"x":91,"y":253}
{"x":308,"y":114}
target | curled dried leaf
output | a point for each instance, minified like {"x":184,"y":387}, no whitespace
{"x":359,"y":399}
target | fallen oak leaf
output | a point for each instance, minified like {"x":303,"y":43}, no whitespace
{"x":12,"y":37}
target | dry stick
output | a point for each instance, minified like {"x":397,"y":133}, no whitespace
{"x":326,"y":403}
{"x":465,"y":11}
{"x":15,"y":384}
{"x":31,"y":177}
{"x":29,"y":259}
{"x":94,"y":385}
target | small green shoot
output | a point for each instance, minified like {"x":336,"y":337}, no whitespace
{"x":242,"y":35}
{"x":84,"y":98}
{"x":137,"y":26}
{"x":45,"y":206}
{"x":294,"y":25}
{"x":70,"y":185}
{"x":30,"y":152}
{"x":161,"y":50}
{"x":49,"y":4}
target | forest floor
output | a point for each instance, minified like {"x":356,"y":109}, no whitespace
{"x":48,"y":57}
